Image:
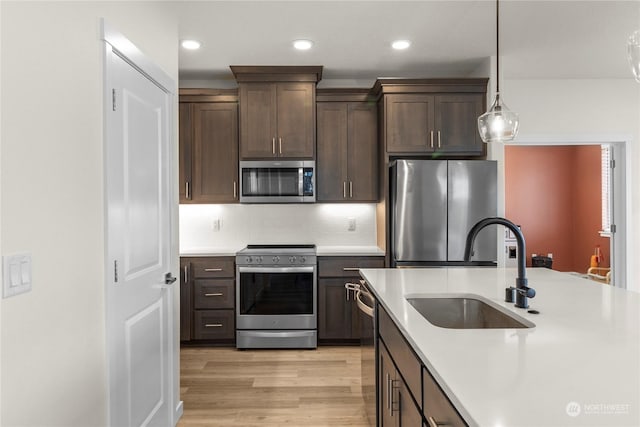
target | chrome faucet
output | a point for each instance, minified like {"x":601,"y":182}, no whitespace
{"x":522,"y":291}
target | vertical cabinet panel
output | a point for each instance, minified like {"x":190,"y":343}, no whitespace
{"x":216,"y":153}
{"x":185,"y":153}
{"x":409,"y":122}
{"x":296,"y":120}
{"x":332,"y":151}
{"x":257,"y":120}
{"x":336,"y":320}
{"x":455,"y":123}
{"x":363,"y":152}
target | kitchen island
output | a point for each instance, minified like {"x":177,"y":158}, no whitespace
{"x":579,"y":365}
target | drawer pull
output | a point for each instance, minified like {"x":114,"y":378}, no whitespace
{"x":212,"y":270}
{"x":216,"y":294}
{"x":350,"y":269}
{"x":433,"y":423}
{"x":213,"y":325}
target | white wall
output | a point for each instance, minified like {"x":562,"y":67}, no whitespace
{"x":572,"y":109}
{"x":53,"y":361}
{"x":319,"y":223}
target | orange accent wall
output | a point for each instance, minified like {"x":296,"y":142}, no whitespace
{"x":553,"y":193}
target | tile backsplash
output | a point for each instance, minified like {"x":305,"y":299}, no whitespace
{"x":235,"y":226}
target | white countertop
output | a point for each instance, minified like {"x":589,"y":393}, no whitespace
{"x":320,"y":250}
{"x":585,"y":347}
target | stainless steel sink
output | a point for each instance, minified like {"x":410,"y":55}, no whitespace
{"x":465,"y":312}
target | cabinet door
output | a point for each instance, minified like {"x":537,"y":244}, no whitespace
{"x":335,"y":311}
{"x":216,"y":152}
{"x":409,"y":123}
{"x":258,"y":131}
{"x":296,"y":117}
{"x":363,"y":152}
{"x":388,"y":392}
{"x":410,"y":415}
{"x":331,"y":164}
{"x":185,"y":300}
{"x":185,"y":153}
{"x":456,"y":123}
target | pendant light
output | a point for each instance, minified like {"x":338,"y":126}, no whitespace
{"x":633,"y":53}
{"x":499,"y":124}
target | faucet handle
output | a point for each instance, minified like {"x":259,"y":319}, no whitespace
{"x":526,"y":291}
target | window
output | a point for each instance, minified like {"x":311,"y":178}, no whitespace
{"x":607,"y":171}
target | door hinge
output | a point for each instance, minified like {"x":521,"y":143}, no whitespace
{"x":612,"y":228}
{"x":115,"y":271}
{"x":612,"y":164}
{"x":113,"y":99}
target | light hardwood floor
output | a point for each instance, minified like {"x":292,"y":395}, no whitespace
{"x":227,"y":387}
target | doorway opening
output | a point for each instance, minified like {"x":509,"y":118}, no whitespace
{"x":564,"y":198}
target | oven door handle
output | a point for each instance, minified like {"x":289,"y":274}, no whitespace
{"x":276,"y":269}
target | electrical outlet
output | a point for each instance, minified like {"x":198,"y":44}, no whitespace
{"x":16,"y":274}
{"x":216,"y":225}
{"x":351,"y":224}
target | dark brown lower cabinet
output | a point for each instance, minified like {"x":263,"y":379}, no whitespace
{"x":408,"y":395}
{"x":338,"y":316}
{"x":396,"y":404}
{"x":207,"y":301}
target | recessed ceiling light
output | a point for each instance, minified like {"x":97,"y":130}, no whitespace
{"x":400,"y":44}
{"x":191,"y":44}
{"x":302,"y":44}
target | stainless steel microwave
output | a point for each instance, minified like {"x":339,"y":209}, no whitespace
{"x":277,"y":181}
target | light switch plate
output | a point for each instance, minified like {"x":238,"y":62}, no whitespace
{"x":16,"y":274}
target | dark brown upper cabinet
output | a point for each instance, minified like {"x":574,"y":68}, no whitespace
{"x":347,"y":160}
{"x":432,"y":116}
{"x":208,"y":146}
{"x":277,"y":111}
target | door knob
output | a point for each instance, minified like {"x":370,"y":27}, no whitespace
{"x":169,"y":279}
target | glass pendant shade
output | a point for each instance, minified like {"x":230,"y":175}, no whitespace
{"x":499,"y":124}
{"x":633,"y":53}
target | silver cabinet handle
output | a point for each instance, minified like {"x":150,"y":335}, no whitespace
{"x":235,"y":189}
{"x":433,"y":423}
{"x":431,"y":139}
{"x":212,"y":270}
{"x":389,"y":397}
{"x":216,"y":294}
{"x":351,"y":189}
{"x":280,"y":144}
{"x":273,"y":145}
{"x":213,"y":325}
{"x":344,"y":189}
{"x":439,"y":144}
{"x":186,"y":274}
{"x":187,"y":190}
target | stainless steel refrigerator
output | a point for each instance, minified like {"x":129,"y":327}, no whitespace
{"x":434,"y":204}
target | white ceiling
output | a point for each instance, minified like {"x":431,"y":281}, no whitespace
{"x":538,"y":39}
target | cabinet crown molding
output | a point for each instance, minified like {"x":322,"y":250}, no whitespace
{"x":386,"y":85}
{"x":277,"y":73}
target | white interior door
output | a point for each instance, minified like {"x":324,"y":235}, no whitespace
{"x":139,"y":301}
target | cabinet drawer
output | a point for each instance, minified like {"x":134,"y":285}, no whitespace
{"x":347,"y":266}
{"x":204,"y":268}
{"x":436,"y":405}
{"x":214,"y":324}
{"x":216,"y":293}
{"x":408,"y":364}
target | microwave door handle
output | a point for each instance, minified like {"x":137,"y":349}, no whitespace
{"x":300,"y":182}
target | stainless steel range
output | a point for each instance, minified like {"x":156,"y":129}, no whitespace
{"x":276,"y":304}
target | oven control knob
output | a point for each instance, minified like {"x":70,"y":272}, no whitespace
{"x":259,"y":259}
{"x":303,"y":259}
{"x":292,"y":259}
{"x":249,"y":260}
{"x":276,"y":259}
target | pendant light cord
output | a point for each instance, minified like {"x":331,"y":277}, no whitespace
{"x":497,"y":46}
